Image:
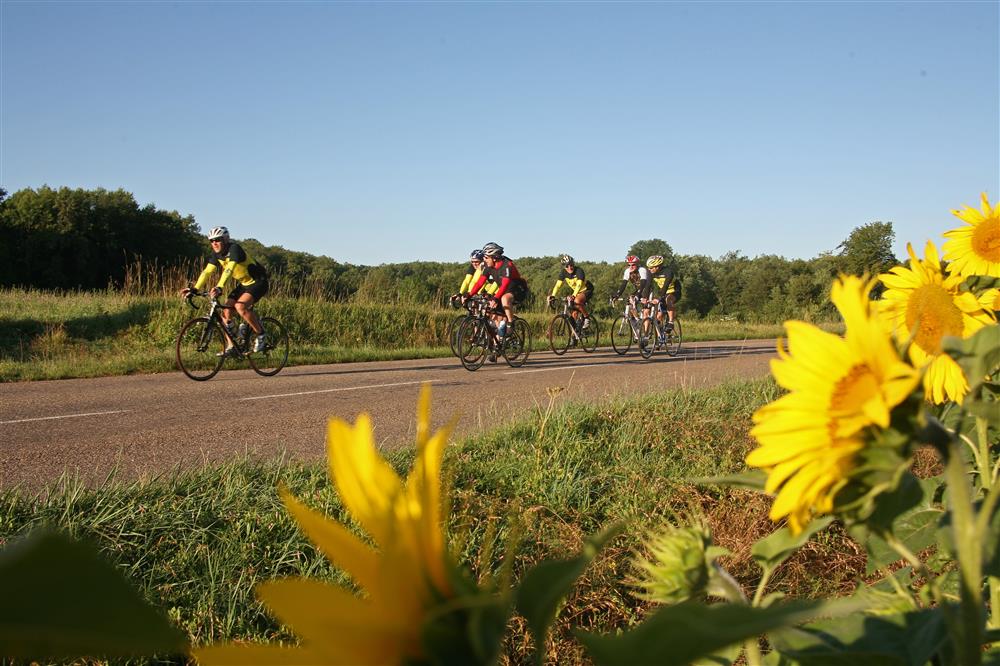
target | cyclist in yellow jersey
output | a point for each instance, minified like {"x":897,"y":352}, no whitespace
{"x":473,"y":273}
{"x":663,"y":290}
{"x":573,"y":277}
{"x":251,"y":282}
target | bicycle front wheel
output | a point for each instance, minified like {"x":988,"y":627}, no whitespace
{"x":473,"y":343}
{"x":674,"y":339}
{"x":273,"y":357}
{"x":647,"y":338}
{"x":560,"y":334}
{"x":517,"y":343}
{"x":590,"y":335}
{"x":199,"y":349}
{"x":453,"y":329}
{"x":621,"y":335}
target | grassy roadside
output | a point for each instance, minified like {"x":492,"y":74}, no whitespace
{"x":50,"y":335}
{"x":196,"y":543}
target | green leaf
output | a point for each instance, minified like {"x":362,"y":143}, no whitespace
{"x":978,"y":356}
{"x":751,"y":480}
{"x":62,"y":599}
{"x":685,"y":632}
{"x":991,"y":545}
{"x":916,"y":529}
{"x":545,"y":585}
{"x":776,"y":547}
{"x":903,"y":639}
{"x":468,"y":630}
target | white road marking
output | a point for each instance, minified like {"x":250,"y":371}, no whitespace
{"x":561,"y":367}
{"x":65,"y":416}
{"x":348,"y":388}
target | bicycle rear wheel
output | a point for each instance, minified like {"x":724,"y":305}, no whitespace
{"x":591,"y":335}
{"x":473,"y":343}
{"x":517,"y":343}
{"x":272,"y":359}
{"x":674,"y":339}
{"x":560,"y":334}
{"x":621,"y":335}
{"x":199,"y":349}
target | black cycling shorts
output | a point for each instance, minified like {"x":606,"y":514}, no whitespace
{"x":258,"y":290}
{"x":519,"y":288}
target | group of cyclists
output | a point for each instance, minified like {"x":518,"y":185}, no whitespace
{"x":654,"y":285}
{"x":490,"y":272}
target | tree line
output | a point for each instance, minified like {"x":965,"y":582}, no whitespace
{"x":87,"y":239}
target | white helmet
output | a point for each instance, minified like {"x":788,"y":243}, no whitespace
{"x":217,"y":233}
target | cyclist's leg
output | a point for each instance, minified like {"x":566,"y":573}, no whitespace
{"x":581,"y":302}
{"x":508,"y":306}
{"x":244,"y":304}
{"x":671,"y":307}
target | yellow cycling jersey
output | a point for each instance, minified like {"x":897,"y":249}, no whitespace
{"x":472,"y":276}
{"x":662,"y":284}
{"x":234,"y":263}
{"x":575,"y":280}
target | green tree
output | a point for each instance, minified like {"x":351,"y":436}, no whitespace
{"x":646,"y":248}
{"x":868,"y":249}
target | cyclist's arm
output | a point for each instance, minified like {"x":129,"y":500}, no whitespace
{"x":203,"y":278}
{"x":555,"y":289}
{"x":621,"y":288}
{"x":478,"y":285}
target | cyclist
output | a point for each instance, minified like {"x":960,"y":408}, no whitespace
{"x":663,"y":291}
{"x":574,"y":278}
{"x":512,"y":289}
{"x":251,"y":283}
{"x":635,"y":274}
{"x":472,"y":274}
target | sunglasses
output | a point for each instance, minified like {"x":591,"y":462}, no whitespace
{"x":215,"y":240}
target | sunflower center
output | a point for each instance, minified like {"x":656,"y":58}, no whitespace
{"x":986,"y":239}
{"x":853,"y":390}
{"x":932,"y":308}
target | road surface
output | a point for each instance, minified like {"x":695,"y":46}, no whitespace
{"x":148,"y":424}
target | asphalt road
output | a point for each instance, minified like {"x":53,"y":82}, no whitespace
{"x":148,"y":424}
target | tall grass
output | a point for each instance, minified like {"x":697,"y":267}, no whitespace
{"x":60,"y":334}
{"x":197,"y":542}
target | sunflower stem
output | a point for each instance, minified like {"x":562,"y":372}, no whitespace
{"x":968,"y":631}
{"x":984,"y":453}
{"x":914,"y":561}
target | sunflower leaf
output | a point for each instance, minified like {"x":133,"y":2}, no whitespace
{"x":750,"y":480}
{"x":61,"y":599}
{"x":978,"y":355}
{"x":776,"y":547}
{"x":901,"y":639}
{"x":682,"y":633}
{"x":545,"y":585}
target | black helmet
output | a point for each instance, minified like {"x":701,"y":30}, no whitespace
{"x":492,"y":250}
{"x":567,"y":260}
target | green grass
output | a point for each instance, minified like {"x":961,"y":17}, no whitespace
{"x":57,"y":335}
{"x":195,"y":543}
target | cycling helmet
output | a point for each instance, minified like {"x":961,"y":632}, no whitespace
{"x":654,"y":261}
{"x":632,"y":260}
{"x":492,"y":250}
{"x":217,"y":233}
{"x":476,"y":255}
{"x":568,"y":260}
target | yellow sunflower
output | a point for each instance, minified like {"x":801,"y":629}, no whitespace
{"x":924,"y":304}
{"x":402,"y":580}
{"x":975,"y":249}
{"x":837,"y":387}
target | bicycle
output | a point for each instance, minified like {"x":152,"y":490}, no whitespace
{"x":628,"y":328}
{"x":566,"y":331}
{"x":455,"y":324}
{"x":656,"y":331}
{"x":478,"y":337}
{"x":201,"y":344}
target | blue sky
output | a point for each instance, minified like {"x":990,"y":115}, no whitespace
{"x":384,"y":132}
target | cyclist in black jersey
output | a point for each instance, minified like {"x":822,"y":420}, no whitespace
{"x":251,"y":282}
{"x":573,"y":277}
{"x":662,"y":290}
